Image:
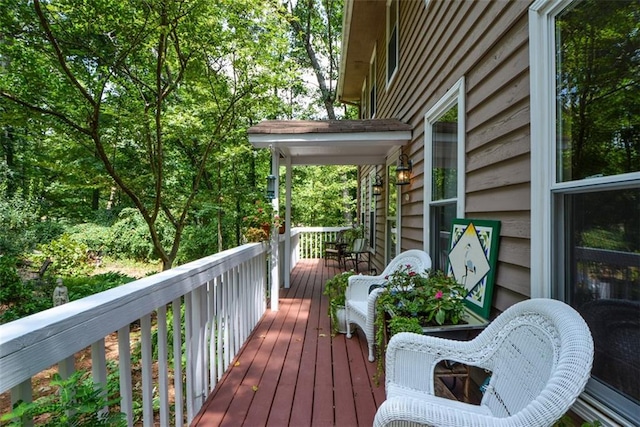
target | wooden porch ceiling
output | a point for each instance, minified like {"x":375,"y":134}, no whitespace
{"x":291,"y":372}
{"x":331,"y":142}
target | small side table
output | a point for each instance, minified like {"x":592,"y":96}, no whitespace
{"x":460,"y":332}
{"x":455,"y":371}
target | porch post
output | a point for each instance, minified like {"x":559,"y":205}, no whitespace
{"x":275,"y":265}
{"x":287,"y":228}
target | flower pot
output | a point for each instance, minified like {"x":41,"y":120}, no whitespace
{"x":341,"y":314}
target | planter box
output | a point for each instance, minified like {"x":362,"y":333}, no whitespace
{"x":461,"y":331}
{"x":473,"y":323}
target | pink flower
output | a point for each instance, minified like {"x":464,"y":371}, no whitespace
{"x":438,"y":295}
{"x":408,"y":265}
{"x":412,"y":273}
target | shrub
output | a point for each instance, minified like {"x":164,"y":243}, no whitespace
{"x":80,"y":287}
{"x":69,"y":257}
{"x":19,"y":299}
{"x":130,"y":236}
{"x":78,"y":402}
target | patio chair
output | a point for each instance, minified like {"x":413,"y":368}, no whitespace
{"x":356,"y":253}
{"x":335,"y":250}
{"x":360,"y":305}
{"x":539,"y":353}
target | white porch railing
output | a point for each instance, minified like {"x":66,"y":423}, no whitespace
{"x":223,"y":295}
{"x":310,"y":240}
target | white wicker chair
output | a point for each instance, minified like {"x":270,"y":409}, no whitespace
{"x":539,"y":351}
{"x":360,"y":306}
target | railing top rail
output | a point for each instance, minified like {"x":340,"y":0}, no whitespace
{"x":57,"y":333}
{"x":321,"y":229}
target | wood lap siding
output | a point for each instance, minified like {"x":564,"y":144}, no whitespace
{"x":487,"y":43}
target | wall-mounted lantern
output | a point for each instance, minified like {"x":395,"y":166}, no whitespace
{"x":271,"y":187}
{"x":403,"y":170}
{"x":376,"y":187}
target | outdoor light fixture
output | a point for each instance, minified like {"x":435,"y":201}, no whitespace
{"x":403,"y":170}
{"x":376,"y":188}
{"x":271,"y":187}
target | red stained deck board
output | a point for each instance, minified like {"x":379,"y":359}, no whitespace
{"x":303,"y":375}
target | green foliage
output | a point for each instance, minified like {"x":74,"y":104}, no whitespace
{"x":435,"y":300}
{"x":412,"y":298}
{"x":335,"y":288}
{"x":95,"y":236}
{"x":325,"y":196}
{"x":80,"y":287}
{"x":18,"y":299}
{"x":129,"y":236}
{"x":404,"y":324}
{"x":77,"y":402}
{"x":69,"y":257}
{"x":22,"y":227}
{"x":567,"y":421}
{"x":136,"y":354}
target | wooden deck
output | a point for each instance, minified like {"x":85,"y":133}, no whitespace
{"x":291,"y":372}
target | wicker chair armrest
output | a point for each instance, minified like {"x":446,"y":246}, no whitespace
{"x":435,"y":411}
{"x":411,"y":359}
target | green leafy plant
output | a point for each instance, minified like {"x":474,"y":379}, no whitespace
{"x":260,"y":220}
{"x":17,"y":298}
{"x":567,"y":421}
{"x":435,"y":299}
{"x":335,"y":288}
{"x":413,"y":300}
{"x":77,"y":402}
{"x":70,"y":257}
{"x":353,"y":233}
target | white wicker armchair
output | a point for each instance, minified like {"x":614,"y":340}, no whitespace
{"x":360,"y":305}
{"x":539,"y":351}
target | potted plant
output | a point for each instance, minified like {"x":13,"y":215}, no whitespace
{"x":259,"y":222}
{"x":335,"y":288}
{"x":416,"y":300}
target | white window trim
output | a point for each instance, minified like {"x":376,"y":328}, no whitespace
{"x":391,"y":77}
{"x":393,"y":160}
{"x":372,"y":202}
{"x":455,"y":95}
{"x":373,"y":82}
{"x":364,"y":102}
{"x":363,"y":203}
{"x":543,"y":184}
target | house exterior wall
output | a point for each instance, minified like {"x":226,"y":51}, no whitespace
{"x":487,"y":44}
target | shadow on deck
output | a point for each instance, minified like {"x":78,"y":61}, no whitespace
{"x":291,"y":372}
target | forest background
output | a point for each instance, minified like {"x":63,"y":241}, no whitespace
{"x":123,"y":125}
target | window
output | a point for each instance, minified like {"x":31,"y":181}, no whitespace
{"x":363,"y":103}
{"x":393,"y":212}
{"x":363,"y":202}
{"x":371,"y":236}
{"x":392,"y":38}
{"x":444,"y":157}
{"x":585,"y":130}
{"x":372,"y":85}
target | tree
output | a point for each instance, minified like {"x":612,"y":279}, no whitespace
{"x":315,"y":41}
{"x":156,"y":92}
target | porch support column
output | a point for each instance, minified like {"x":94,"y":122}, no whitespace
{"x":275,"y":264}
{"x":287,"y":229}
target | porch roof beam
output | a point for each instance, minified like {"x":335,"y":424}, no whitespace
{"x":333,"y":142}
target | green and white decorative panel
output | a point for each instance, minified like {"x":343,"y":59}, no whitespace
{"x":473,"y":258}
